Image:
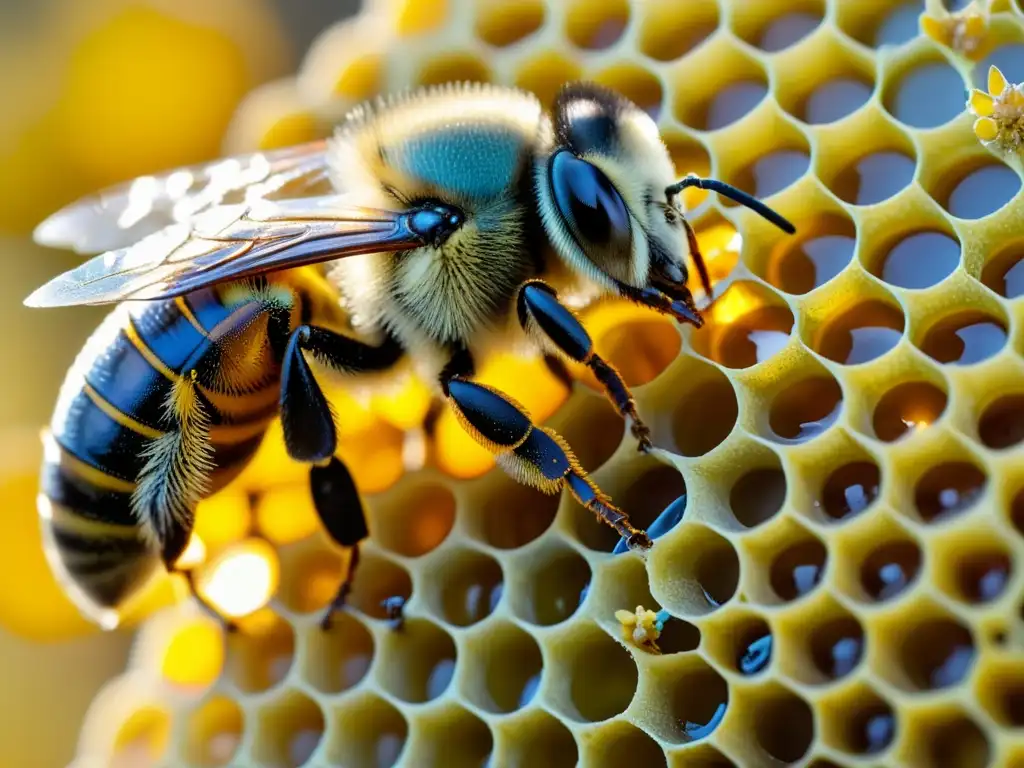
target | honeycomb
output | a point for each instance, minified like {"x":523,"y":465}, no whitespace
{"x":838,"y":490}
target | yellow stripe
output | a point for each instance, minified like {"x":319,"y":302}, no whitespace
{"x":146,"y":352}
{"x":233,"y":434}
{"x":119,"y":416}
{"x":186,"y":311}
{"x":90,"y":474}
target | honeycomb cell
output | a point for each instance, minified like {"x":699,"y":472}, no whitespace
{"x":948,"y":737}
{"x":732,"y":85}
{"x":880,"y":22}
{"x":507,"y":515}
{"x":669,"y":31}
{"x":906,"y":408}
{"x":544,"y":73}
{"x":415,"y":17}
{"x":743,"y":643}
{"x":503,"y":669}
{"x":927,"y":93}
{"x":999,"y":687}
{"x":536,"y":740}
{"x":638,"y":343}
{"x":592,"y":428}
{"x":771,"y":173}
{"x":1007,"y":58}
{"x":688,"y":700}
{"x":142,"y":739}
{"x":696,"y":571}
{"x":919,"y":260}
{"x":1001,"y":423}
{"x":377,"y":579}
{"x":1004,"y":272}
{"x":597,"y":676}
{"x":620,"y":743}
{"x":451,"y":736}
{"x":706,"y":412}
{"x":214,"y":732}
{"x":964,"y":338}
{"x":977,"y":190}
{"x":260,"y":657}
{"x":465,"y":588}
{"x":890,"y":568}
{"x":861,"y":333}
{"x":678,"y":636}
{"x":874,"y":177}
{"x":310,"y":577}
{"x":797,"y":569}
{"x":930,"y":651}
{"x":635,"y":83}
{"x":748,"y":324}
{"x":804,"y":409}
{"x":593,"y":26}
{"x":783,"y":724}
{"x":339,"y":658}
{"x":417,"y":522}
{"x":503,"y":24}
{"x":758,"y":495}
{"x":850,"y":490}
{"x":454,"y":67}
{"x":366,"y":732}
{"x":194,"y":657}
{"x":858,"y":721}
{"x":688,"y":156}
{"x":772,"y":31}
{"x":418,"y":662}
{"x":288,"y":731}
{"x":837,"y":647}
{"x":948,"y":490}
{"x":842,"y":81}
{"x":974,"y":567}
{"x":552,"y":587}
{"x":821,"y":249}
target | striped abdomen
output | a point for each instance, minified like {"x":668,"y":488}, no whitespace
{"x":121,"y":461}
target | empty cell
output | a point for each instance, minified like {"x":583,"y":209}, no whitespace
{"x":503,"y":669}
{"x":874,"y":177}
{"x":741,"y":642}
{"x":668,"y":30}
{"x":906,"y":408}
{"x":837,"y":647}
{"x":540,"y":742}
{"x":310,"y":578}
{"x":367,"y":732}
{"x":688,"y":156}
{"x":502,"y":24}
{"x":453,"y":67}
{"x":871,"y":726}
{"x":978,"y":190}
{"x":861,"y":333}
{"x":758,"y":495}
{"x":338,"y":659}
{"x":771,"y":173}
{"x":898,"y":25}
{"x":512,"y":515}
{"x":705,"y":417}
{"x":1004,"y":274}
{"x":805,"y":409}
{"x":596,"y":25}
{"x":597,"y":676}
{"x":890,"y":569}
{"x":733,"y":102}
{"x":378,"y":579}
{"x":936,"y":653}
{"x":1001,"y":424}
{"x":948,"y":490}
{"x":417,"y":662}
{"x":418,"y":522}
{"x":142,"y":739}
{"x":820,"y":251}
{"x":653,"y":492}
{"x":551,"y":588}
{"x":214,"y":732}
{"x":261,"y":657}
{"x":288,"y":731}
{"x":593,"y":429}
{"x":850,"y":490}
{"x":544,"y":73}
{"x":417,"y":17}
{"x":783,"y":725}
{"x":926,"y":95}
{"x":798,"y":569}
{"x":787,"y":29}
{"x":956,"y":740}
{"x":194,"y":656}
{"x":1000,"y":690}
{"x":668,"y":519}
{"x":919,"y":260}
{"x":747,"y":325}
{"x":678,"y":636}
{"x":618,"y":744}
{"x":1007,"y":58}
{"x":702,"y":571}
{"x":451,"y":737}
{"x":639,"y":347}
{"x":465,"y":588}
{"x":637,"y":84}
{"x":982,"y":575}
{"x":835,"y":99}
{"x":691,"y":700}
{"x":964,"y":338}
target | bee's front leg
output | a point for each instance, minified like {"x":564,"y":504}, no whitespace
{"x":542,"y":315}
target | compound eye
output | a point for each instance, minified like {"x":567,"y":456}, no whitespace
{"x":590,"y":206}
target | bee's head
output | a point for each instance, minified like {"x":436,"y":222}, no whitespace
{"x":602,"y":192}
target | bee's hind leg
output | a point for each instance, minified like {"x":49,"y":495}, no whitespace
{"x":310,"y":436}
{"x":533,"y":455}
{"x":542,"y":315}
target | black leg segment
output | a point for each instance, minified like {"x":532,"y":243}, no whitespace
{"x":540,"y":311}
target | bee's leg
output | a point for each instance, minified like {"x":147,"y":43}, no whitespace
{"x":544,"y":316}
{"x":310,"y":435}
{"x":535,"y":456}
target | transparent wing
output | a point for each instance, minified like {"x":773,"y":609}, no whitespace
{"x":124,"y":214}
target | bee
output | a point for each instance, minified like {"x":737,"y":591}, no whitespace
{"x":433,"y":228}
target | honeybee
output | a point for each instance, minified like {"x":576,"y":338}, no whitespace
{"x":434,"y":227}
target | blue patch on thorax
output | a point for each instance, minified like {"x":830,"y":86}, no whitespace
{"x":471,"y":160}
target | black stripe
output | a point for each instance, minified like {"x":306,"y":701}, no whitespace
{"x":126,"y":380}
{"x":91,"y":436}
{"x":228,"y":457}
{"x":85,"y":499}
{"x":100,"y":545}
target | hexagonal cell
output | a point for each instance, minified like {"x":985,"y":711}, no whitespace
{"x":261,"y":656}
{"x":194,"y":655}
{"x":310,"y":577}
{"x":669,"y":31}
{"x":507,"y":514}
{"x":418,"y":662}
{"x":639,"y":344}
{"x":920,"y":259}
{"x":678,"y":636}
{"x":858,"y":721}
{"x":773,"y":171}
{"x":906,"y":408}
{"x":804,"y":409}
{"x":501,"y":670}
{"x":637,"y":84}
{"x":339,"y":658}
{"x":747,"y":325}
{"x":880,"y":22}
{"x":451,"y":736}
{"x":922,"y":649}
{"x":706,"y":409}
{"x":822,"y":248}
{"x":861,"y":333}
{"x":999,"y":688}
{"x":735,"y":84}
{"x":453,"y":67}
{"x":890,"y":568}
{"x":874,"y":176}
{"x":842,"y":80}
{"x":592,"y":427}
{"x":757,"y":496}
{"x":686,"y":700}
{"x":837,"y":646}
{"x":948,"y":489}
{"x":794,"y":568}
{"x":377,"y":579}
{"x":596,"y":26}
{"x":774,"y":29}
{"x":947,"y":736}
{"x":288,"y":730}
{"x":1004,"y":271}
{"x":974,"y":566}
{"x":924,"y":92}
{"x":544,"y":72}
{"x":740,"y":641}
{"x":620,"y":743}
{"x":142,"y":739}
{"x":597,"y":679}
{"x":503,"y":24}
{"x":1007,"y":57}
{"x":551,"y":586}
{"x":465,"y":587}
{"x":535,"y":739}
{"x":819,"y":642}
{"x":214,"y":732}
{"x":417,"y":521}
{"x":964,"y":338}
{"x":696,"y":572}
{"x":366,"y":732}
{"x":975,"y":189}
{"x":850,"y":490}
{"x":783,"y":724}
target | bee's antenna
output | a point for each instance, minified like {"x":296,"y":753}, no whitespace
{"x":732,"y":193}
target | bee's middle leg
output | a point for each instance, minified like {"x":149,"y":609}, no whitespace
{"x":542,"y":314}
{"x":310,"y":436}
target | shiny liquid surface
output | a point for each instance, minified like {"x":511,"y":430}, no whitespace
{"x":875,"y":177}
{"x":835,"y":99}
{"x":927,"y":96}
{"x":921,"y":260}
{"x":906,"y":408}
{"x":873,"y":730}
{"x":775,"y":171}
